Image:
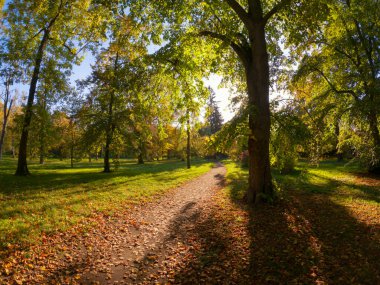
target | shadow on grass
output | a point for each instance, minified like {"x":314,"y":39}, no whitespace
{"x":307,"y":238}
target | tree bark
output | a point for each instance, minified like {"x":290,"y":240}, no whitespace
{"x":22,"y":166}
{"x":257,"y":75}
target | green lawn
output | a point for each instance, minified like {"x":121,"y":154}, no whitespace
{"x":56,"y":196}
{"x":341,"y":181}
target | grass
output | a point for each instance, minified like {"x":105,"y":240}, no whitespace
{"x":55,"y":196}
{"x":341,"y":181}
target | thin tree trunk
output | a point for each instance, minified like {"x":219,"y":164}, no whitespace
{"x":188,"y":145}
{"x":141,"y":149}
{"x":72,"y":143}
{"x":22,"y":166}
{"x":6,"y":113}
{"x":42,"y":151}
{"x":109,"y":135}
{"x":339,"y":155}
{"x":110,"y":127}
{"x":42,"y":133}
{"x":2,"y":138}
{"x":140,"y":158}
{"x":13,"y":147}
{"x":107,"y":165}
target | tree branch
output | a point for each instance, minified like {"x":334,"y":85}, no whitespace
{"x":237,"y":48}
{"x":278,"y":7}
{"x":333,"y":86}
{"x":239,"y":10}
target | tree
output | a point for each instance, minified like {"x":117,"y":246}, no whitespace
{"x":214,"y":119}
{"x":44,"y":29}
{"x":341,"y":57}
{"x":245,"y":29}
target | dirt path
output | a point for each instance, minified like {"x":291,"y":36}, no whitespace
{"x":148,"y":245}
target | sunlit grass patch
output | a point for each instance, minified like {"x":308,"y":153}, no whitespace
{"x":56,"y":196}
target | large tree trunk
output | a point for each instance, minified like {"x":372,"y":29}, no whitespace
{"x":257,"y":74}
{"x":22,"y":166}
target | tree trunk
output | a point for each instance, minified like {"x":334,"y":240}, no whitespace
{"x":72,"y":155}
{"x":2,"y":138}
{"x":13,"y":147}
{"x":42,"y":109}
{"x":110,"y":126}
{"x":140,"y":158}
{"x":107,"y":166}
{"x":339,"y":155}
{"x":42,"y":151}
{"x":6,"y":112}
{"x":188,"y":145}
{"x":257,"y":74}
{"x":109,"y":135}
{"x":72,"y":143}
{"x":141,"y":149}
{"x":22,"y":166}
